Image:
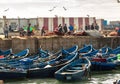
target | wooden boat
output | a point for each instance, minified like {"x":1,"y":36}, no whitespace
{"x":47,"y":69}
{"x":104,"y":51}
{"x":91,"y":54}
{"x":6,"y":52}
{"x":46,"y":56}
{"x":86,"y":49}
{"x":11,"y":73}
{"x":77,"y":70}
{"x":34,"y":61}
{"x":18,"y":55}
{"x":115,"y":59}
{"x":115,"y":51}
{"x":13,"y":59}
{"x":99,"y":64}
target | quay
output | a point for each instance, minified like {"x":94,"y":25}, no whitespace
{"x":54,"y":43}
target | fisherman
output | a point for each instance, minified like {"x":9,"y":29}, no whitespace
{"x":28,"y":30}
{"x":60,"y":30}
{"x":65,"y":29}
{"x":6,"y":29}
{"x":99,"y":54}
{"x":71,"y":29}
{"x":43,"y":31}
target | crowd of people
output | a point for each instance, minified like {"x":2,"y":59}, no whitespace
{"x":65,"y":29}
{"x":93,"y":26}
{"x":61,"y":29}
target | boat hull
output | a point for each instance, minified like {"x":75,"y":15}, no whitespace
{"x":12,"y":75}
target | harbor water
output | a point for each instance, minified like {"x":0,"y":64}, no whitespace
{"x":97,"y":77}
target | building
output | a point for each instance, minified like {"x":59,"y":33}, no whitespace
{"x":50,"y":23}
{"x":115,"y":23}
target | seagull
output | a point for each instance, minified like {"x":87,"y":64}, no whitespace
{"x":64,"y":8}
{"x":88,"y":15}
{"x":52,"y":9}
{"x":118,"y":1}
{"x":6,"y":10}
{"x":56,"y":15}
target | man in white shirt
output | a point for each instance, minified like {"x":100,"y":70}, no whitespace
{"x":99,"y":54}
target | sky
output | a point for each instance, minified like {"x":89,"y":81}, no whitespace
{"x":101,"y":9}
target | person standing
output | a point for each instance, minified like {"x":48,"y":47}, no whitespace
{"x":71,"y":29}
{"x":43,"y":31}
{"x":60,"y":30}
{"x":6,"y":29}
{"x":92,"y":26}
{"x":28,"y":30}
{"x":75,"y":28}
{"x":65,"y":29}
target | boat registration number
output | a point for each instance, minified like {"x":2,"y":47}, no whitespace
{"x":68,"y":77}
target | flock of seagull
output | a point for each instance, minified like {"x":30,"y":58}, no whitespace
{"x":55,"y":7}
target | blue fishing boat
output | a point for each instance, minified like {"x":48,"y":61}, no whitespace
{"x":46,"y":56}
{"x":86,"y":49}
{"x":74,"y":71}
{"x":115,"y":59}
{"x":18,"y":55}
{"x":14,"y":58}
{"x":35,"y":60}
{"x":47,"y":69}
{"x":11,"y":73}
{"x":6,"y":52}
{"x":100,"y":64}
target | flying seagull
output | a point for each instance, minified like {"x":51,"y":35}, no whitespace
{"x":52,"y":9}
{"x":118,"y":1}
{"x":56,"y":15}
{"x":6,"y":9}
{"x":64,"y":8}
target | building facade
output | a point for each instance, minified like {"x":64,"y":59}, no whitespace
{"x":50,"y":23}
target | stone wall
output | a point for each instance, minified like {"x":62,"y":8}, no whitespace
{"x":5,"y":44}
{"x":56,"y":43}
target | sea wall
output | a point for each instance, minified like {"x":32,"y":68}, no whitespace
{"x":56,"y":42}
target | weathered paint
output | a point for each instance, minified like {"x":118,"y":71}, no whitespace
{"x":50,"y":24}
{"x":41,"y":22}
{"x":80,"y":23}
{"x":55,"y":23}
{"x":71,"y":21}
{"x":57,"y":42}
{"x":46,"y":22}
{"x":76,"y":23}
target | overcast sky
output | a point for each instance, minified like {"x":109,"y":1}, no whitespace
{"x":105,"y":9}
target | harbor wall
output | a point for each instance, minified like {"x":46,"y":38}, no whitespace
{"x":55,"y":43}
